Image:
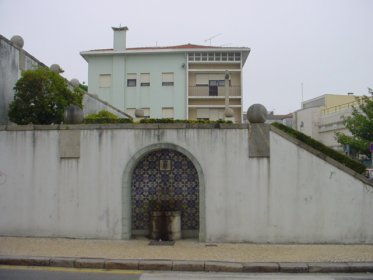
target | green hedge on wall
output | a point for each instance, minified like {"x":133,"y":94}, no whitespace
{"x":181,"y":121}
{"x":345,"y":160}
{"x":105,"y":117}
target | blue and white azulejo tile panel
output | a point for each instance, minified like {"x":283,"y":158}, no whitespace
{"x":165,"y":180}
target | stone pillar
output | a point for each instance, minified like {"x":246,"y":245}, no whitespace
{"x":258,"y":131}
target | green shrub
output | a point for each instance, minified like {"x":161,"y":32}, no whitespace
{"x":354,"y":165}
{"x":167,"y":120}
{"x":41,"y":97}
{"x":105,"y":117}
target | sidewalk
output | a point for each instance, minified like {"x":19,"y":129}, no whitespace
{"x":189,"y":255}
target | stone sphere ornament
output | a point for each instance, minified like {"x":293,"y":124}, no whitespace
{"x":257,"y":113}
{"x":74,"y":82}
{"x":228,"y":113}
{"x":18,"y":41}
{"x":56,"y":68}
{"x":73,"y":115}
{"x":139,"y":113}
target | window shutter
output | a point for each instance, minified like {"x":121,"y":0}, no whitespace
{"x":168,"y":113}
{"x":202,"y":79}
{"x":144,"y":78}
{"x":131,"y":76}
{"x":168,"y":77}
{"x":203,"y":113}
{"x":105,"y":80}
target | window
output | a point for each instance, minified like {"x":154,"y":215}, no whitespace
{"x":144,"y":79}
{"x":168,"y":113}
{"x":167,"y":79}
{"x":203,"y":114}
{"x":105,"y":80}
{"x":146,"y":113}
{"x":131,"y":80}
{"x":214,"y":87}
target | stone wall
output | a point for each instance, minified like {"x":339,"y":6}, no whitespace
{"x":13,"y":60}
{"x":74,"y":181}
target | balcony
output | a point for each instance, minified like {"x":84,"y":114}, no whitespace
{"x":213,"y":91}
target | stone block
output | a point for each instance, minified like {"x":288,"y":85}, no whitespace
{"x":202,"y":125}
{"x":223,"y":267}
{"x":12,"y":260}
{"x":27,"y":261}
{"x":14,"y":127}
{"x":89,"y":263}
{"x":122,"y":264}
{"x":233,"y":126}
{"x":293,"y":267}
{"x":69,"y":143}
{"x":46,"y":127}
{"x":328,"y":267}
{"x":260,"y":267}
{"x":62,"y":262}
{"x":259,"y":140}
{"x":188,"y":265}
{"x":155,"y":265}
{"x":146,"y":126}
{"x":360,"y":267}
{"x":172,"y":125}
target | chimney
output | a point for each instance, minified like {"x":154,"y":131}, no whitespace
{"x":120,"y":38}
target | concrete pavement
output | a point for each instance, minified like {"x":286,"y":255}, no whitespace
{"x":185,"y":255}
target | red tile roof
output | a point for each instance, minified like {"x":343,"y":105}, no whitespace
{"x":185,"y":46}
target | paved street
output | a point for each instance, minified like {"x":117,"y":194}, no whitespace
{"x":36,"y":273}
{"x":252,"y":276}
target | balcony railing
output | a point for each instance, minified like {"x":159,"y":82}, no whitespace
{"x":208,"y":91}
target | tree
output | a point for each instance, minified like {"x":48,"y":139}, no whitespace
{"x":41,"y":97}
{"x":360,"y":124}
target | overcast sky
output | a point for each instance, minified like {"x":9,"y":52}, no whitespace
{"x":325,"y":44}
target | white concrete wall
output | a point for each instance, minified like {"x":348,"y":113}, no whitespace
{"x":292,"y":197}
{"x":12,"y":62}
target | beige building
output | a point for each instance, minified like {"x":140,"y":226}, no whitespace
{"x":206,"y":82}
{"x":322,"y":117}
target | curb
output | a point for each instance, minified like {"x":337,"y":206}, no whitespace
{"x":185,"y":265}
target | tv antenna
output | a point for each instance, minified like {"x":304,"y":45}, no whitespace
{"x":212,"y":37}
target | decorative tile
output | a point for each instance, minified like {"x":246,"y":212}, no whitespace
{"x":165,"y":177}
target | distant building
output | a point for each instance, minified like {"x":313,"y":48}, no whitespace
{"x":322,"y":117}
{"x":284,"y":119}
{"x":181,"y":82}
{"x":271,"y":118}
